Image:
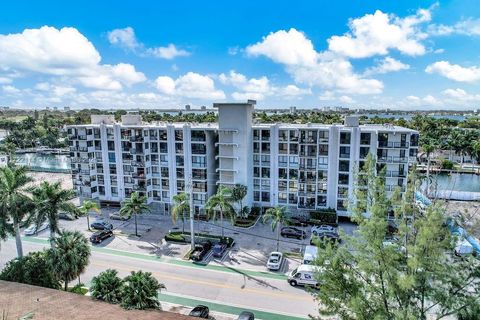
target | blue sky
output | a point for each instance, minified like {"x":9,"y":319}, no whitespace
{"x":366,"y":54}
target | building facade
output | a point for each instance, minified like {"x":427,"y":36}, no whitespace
{"x":301,"y":166}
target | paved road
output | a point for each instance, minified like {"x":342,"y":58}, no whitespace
{"x":224,"y":289}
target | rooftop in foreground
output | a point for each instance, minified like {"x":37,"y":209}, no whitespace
{"x":18,"y":300}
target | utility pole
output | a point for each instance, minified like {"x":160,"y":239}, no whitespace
{"x":190,"y":199}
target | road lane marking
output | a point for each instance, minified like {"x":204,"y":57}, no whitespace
{"x":162,"y":275}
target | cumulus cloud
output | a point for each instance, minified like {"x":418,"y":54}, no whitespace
{"x":467,"y":27}
{"x":8,"y":89}
{"x":169,"y":52}
{"x":426,"y":101}
{"x":307,"y":66}
{"x":63,"y":52}
{"x":460,"y":95}
{"x":126,"y":38}
{"x":376,"y":34}
{"x":190,"y":85}
{"x":54,"y":89}
{"x":388,"y":64}
{"x":4,"y":80}
{"x":454,"y":71}
{"x":258,"y":88}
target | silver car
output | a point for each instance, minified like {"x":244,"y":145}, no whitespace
{"x":32,"y":229}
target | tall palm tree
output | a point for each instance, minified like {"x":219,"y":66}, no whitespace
{"x":428,"y":147}
{"x":15,"y":204}
{"x":278,"y":217}
{"x":239,"y":192}
{"x":86,"y":208}
{"x":476,"y":153}
{"x":220,"y":202}
{"x":70,"y":255}
{"x":134,"y":205}
{"x":50,"y":200}
{"x":181,"y":205}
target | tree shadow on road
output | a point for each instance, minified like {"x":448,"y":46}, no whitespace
{"x":246,"y":277}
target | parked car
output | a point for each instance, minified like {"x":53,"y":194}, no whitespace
{"x":101,"y":225}
{"x":246,"y":315}
{"x":299,"y":221}
{"x":200,"y":311}
{"x":200,"y":251}
{"x":316,"y":230}
{"x":275,"y":261}
{"x":66,"y":216}
{"x":331,"y":236}
{"x":117,"y":216}
{"x":292,"y":232}
{"x":219,"y":249}
{"x":99,"y":236}
{"x":34,"y":229}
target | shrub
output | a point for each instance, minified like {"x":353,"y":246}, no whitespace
{"x":33,"y":269}
{"x":447,"y":164}
{"x":107,"y":286}
{"x":79,"y":289}
{"x":140,"y":291}
{"x":324,"y":216}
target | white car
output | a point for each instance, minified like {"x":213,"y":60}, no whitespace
{"x":316,"y":230}
{"x":32,"y":229}
{"x":275,"y":261}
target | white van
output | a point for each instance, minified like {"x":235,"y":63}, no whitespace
{"x":310,"y":254}
{"x":303,"y":275}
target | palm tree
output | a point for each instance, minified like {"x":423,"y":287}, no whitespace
{"x":107,"y":286}
{"x":278,"y":216}
{"x":475,"y":153}
{"x":181,"y":204}
{"x":220,"y":202}
{"x":134,"y":205}
{"x":50,"y":200}
{"x":86,"y":208}
{"x":140,"y":291}
{"x":14,"y":202}
{"x":239,"y":192}
{"x":428,"y":147}
{"x":70,"y":255}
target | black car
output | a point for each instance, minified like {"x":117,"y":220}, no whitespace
{"x":99,"y":236}
{"x":299,"y":221}
{"x":291,"y":232}
{"x":101,"y":225}
{"x":66,"y":216}
{"x":200,"y":251}
{"x":219,"y":249}
{"x":246,"y":315}
{"x":330,"y":236}
{"x":200,"y":311}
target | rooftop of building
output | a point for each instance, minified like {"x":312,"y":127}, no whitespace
{"x":18,"y":300}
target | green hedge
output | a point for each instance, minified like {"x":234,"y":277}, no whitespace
{"x":325,"y":216}
{"x":178,"y":236}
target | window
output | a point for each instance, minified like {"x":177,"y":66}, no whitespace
{"x":343,"y":178}
{"x":365,"y":137}
{"x":283,"y":135}
{"x":344,"y":165}
{"x":293,"y":135}
{"x":111,"y":145}
{"x":265,"y":196}
{"x":198,"y":148}
{"x":256,"y":147}
{"x":282,"y":148}
{"x":293,"y":163}
{"x":265,"y":147}
{"x":341,"y":205}
{"x":164,"y":172}
{"x":178,"y":135}
{"x":293,"y":186}
{"x":282,"y":161}
{"x":293,"y":148}
{"x":282,"y":197}
{"x":265,"y":160}
{"x":256,"y":196}
{"x":322,"y":162}
{"x":180,"y":173}
{"x":266,"y":135}
{"x":414,"y":140}
{"x":198,"y":162}
{"x":323,"y":136}
{"x":256,"y":134}
{"x":282,"y":173}
{"x":179,"y":161}
{"x":293,"y":174}
{"x":323,"y":150}
{"x":162,"y":134}
{"x":265,"y":172}
{"x":256,"y":172}
{"x":321,"y":201}
{"x":256,"y":159}
{"x":292,"y":198}
{"x":178,"y":147}
{"x":111,"y":157}
{"x":345,"y":137}
{"x":364,"y":152}
{"x":344,"y":152}
{"x":282,"y":186}
{"x":198,"y":135}
{"x":199,"y":174}
{"x":163,"y":147}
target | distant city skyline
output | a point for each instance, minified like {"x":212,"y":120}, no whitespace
{"x":421,"y":55}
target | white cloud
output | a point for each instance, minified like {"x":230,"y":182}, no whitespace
{"x":376,"y":34}
{"x":346,"y":99}
{"x":388,"y":64}
{"x":190,"y":85}
{"x":460,"y":95}
{"x":124,"y":38}
{"x":54,"y":89}
{"x":65,"y":52}
{"x":467,"y":27}
{"x":426,"y":101}
{"x":4,"y":80}
{"x":258,"y":88}
{"x":233,"y":50}
{"x":169,"y":52}
{"x":327,"y":96}
{"x":8,"y":89}
{"x":307,"y":66}
{"x":286,"y":47}
{"x":454,"y":71}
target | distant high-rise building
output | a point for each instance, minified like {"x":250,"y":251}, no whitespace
{"x":187,"y":107}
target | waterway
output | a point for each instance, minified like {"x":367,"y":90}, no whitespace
{"x":44,"y":162}
{"x":457,"y":182}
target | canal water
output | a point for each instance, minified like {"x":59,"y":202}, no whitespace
{"x":44,"y":162}
{"x":457,"y":182}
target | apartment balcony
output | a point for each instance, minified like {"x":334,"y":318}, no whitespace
{"x":137,"y":164}
{"x":392,"y":159}
{"x":226,"y":170}
{"x":394,"y":187}
{"x":138,"y":175}
{"x":226,"y":130}
{"x":139,"y":188}
{"x":137,"y":151}
{"x":393,"y":145}
{"x":82,"y":137}
{"x":225,"y":182}
{"x":226,"y":157}
{"x":228,"y":144}
{"x":136,"y":139}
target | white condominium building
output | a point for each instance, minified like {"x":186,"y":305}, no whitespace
{"x":301,"y":166}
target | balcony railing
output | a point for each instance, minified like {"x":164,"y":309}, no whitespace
{"x":392,"y":159}
{"x":390,"y":144}
{"x":395,"y":174}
